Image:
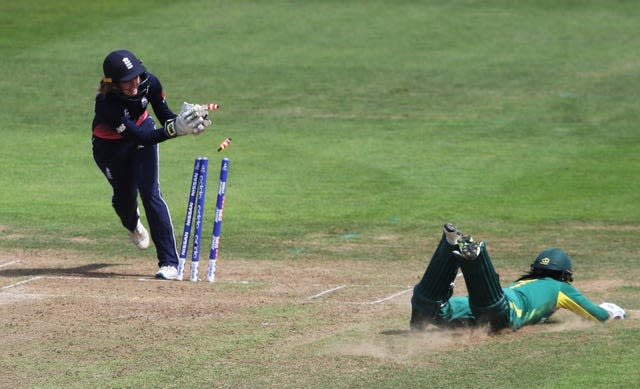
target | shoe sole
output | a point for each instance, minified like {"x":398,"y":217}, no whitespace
{"x":470,"y":251}
{"x":450,"y":230}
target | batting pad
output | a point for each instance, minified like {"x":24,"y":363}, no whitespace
{"x":486,"y":298}
{"x":436,"y":285}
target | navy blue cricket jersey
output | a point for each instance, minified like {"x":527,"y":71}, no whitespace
{"x":127,"y":117}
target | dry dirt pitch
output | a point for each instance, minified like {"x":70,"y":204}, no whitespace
{"x":57,"y":305}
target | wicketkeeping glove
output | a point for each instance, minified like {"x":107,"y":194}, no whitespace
{"x":189,"y":121}
{"x":201,"y":111}
{"x":614,"y":311}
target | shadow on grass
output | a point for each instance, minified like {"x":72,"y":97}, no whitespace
{"x":90,"y":270}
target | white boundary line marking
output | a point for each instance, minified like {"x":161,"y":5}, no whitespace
{"x":21,"y":282}
{"x":389,"y":297}
{"x":325,"y":292}
{"x":9,"y":263}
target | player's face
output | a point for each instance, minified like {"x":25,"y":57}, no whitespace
{"x":130,"y":88}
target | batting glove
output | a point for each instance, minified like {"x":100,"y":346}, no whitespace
{"x":614,"y":311}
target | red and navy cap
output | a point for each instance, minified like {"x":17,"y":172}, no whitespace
{"x":122,"y":66}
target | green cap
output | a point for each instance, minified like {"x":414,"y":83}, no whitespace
{"x":552,"y":259}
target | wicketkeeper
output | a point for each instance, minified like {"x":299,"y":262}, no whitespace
{"x":125,"y":148}
{"x":531,"y":299}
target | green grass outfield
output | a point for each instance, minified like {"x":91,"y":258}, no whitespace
{"x":352,"y":119}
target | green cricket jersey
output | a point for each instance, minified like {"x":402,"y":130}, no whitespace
{"x":531,"y":301}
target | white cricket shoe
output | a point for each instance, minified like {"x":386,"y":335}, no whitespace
{"x":167,"y":273}
{"x":140,"y":236}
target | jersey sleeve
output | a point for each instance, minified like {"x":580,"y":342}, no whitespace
{"x":570,"y":298}
{"x":144,"y":130}
{"x":110,"y":118}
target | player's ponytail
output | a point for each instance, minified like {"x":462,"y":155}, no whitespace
{"x":106,"y":86}
{"x":536,"y":273}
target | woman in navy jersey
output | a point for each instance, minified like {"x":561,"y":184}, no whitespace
{"x":125,"y":148}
